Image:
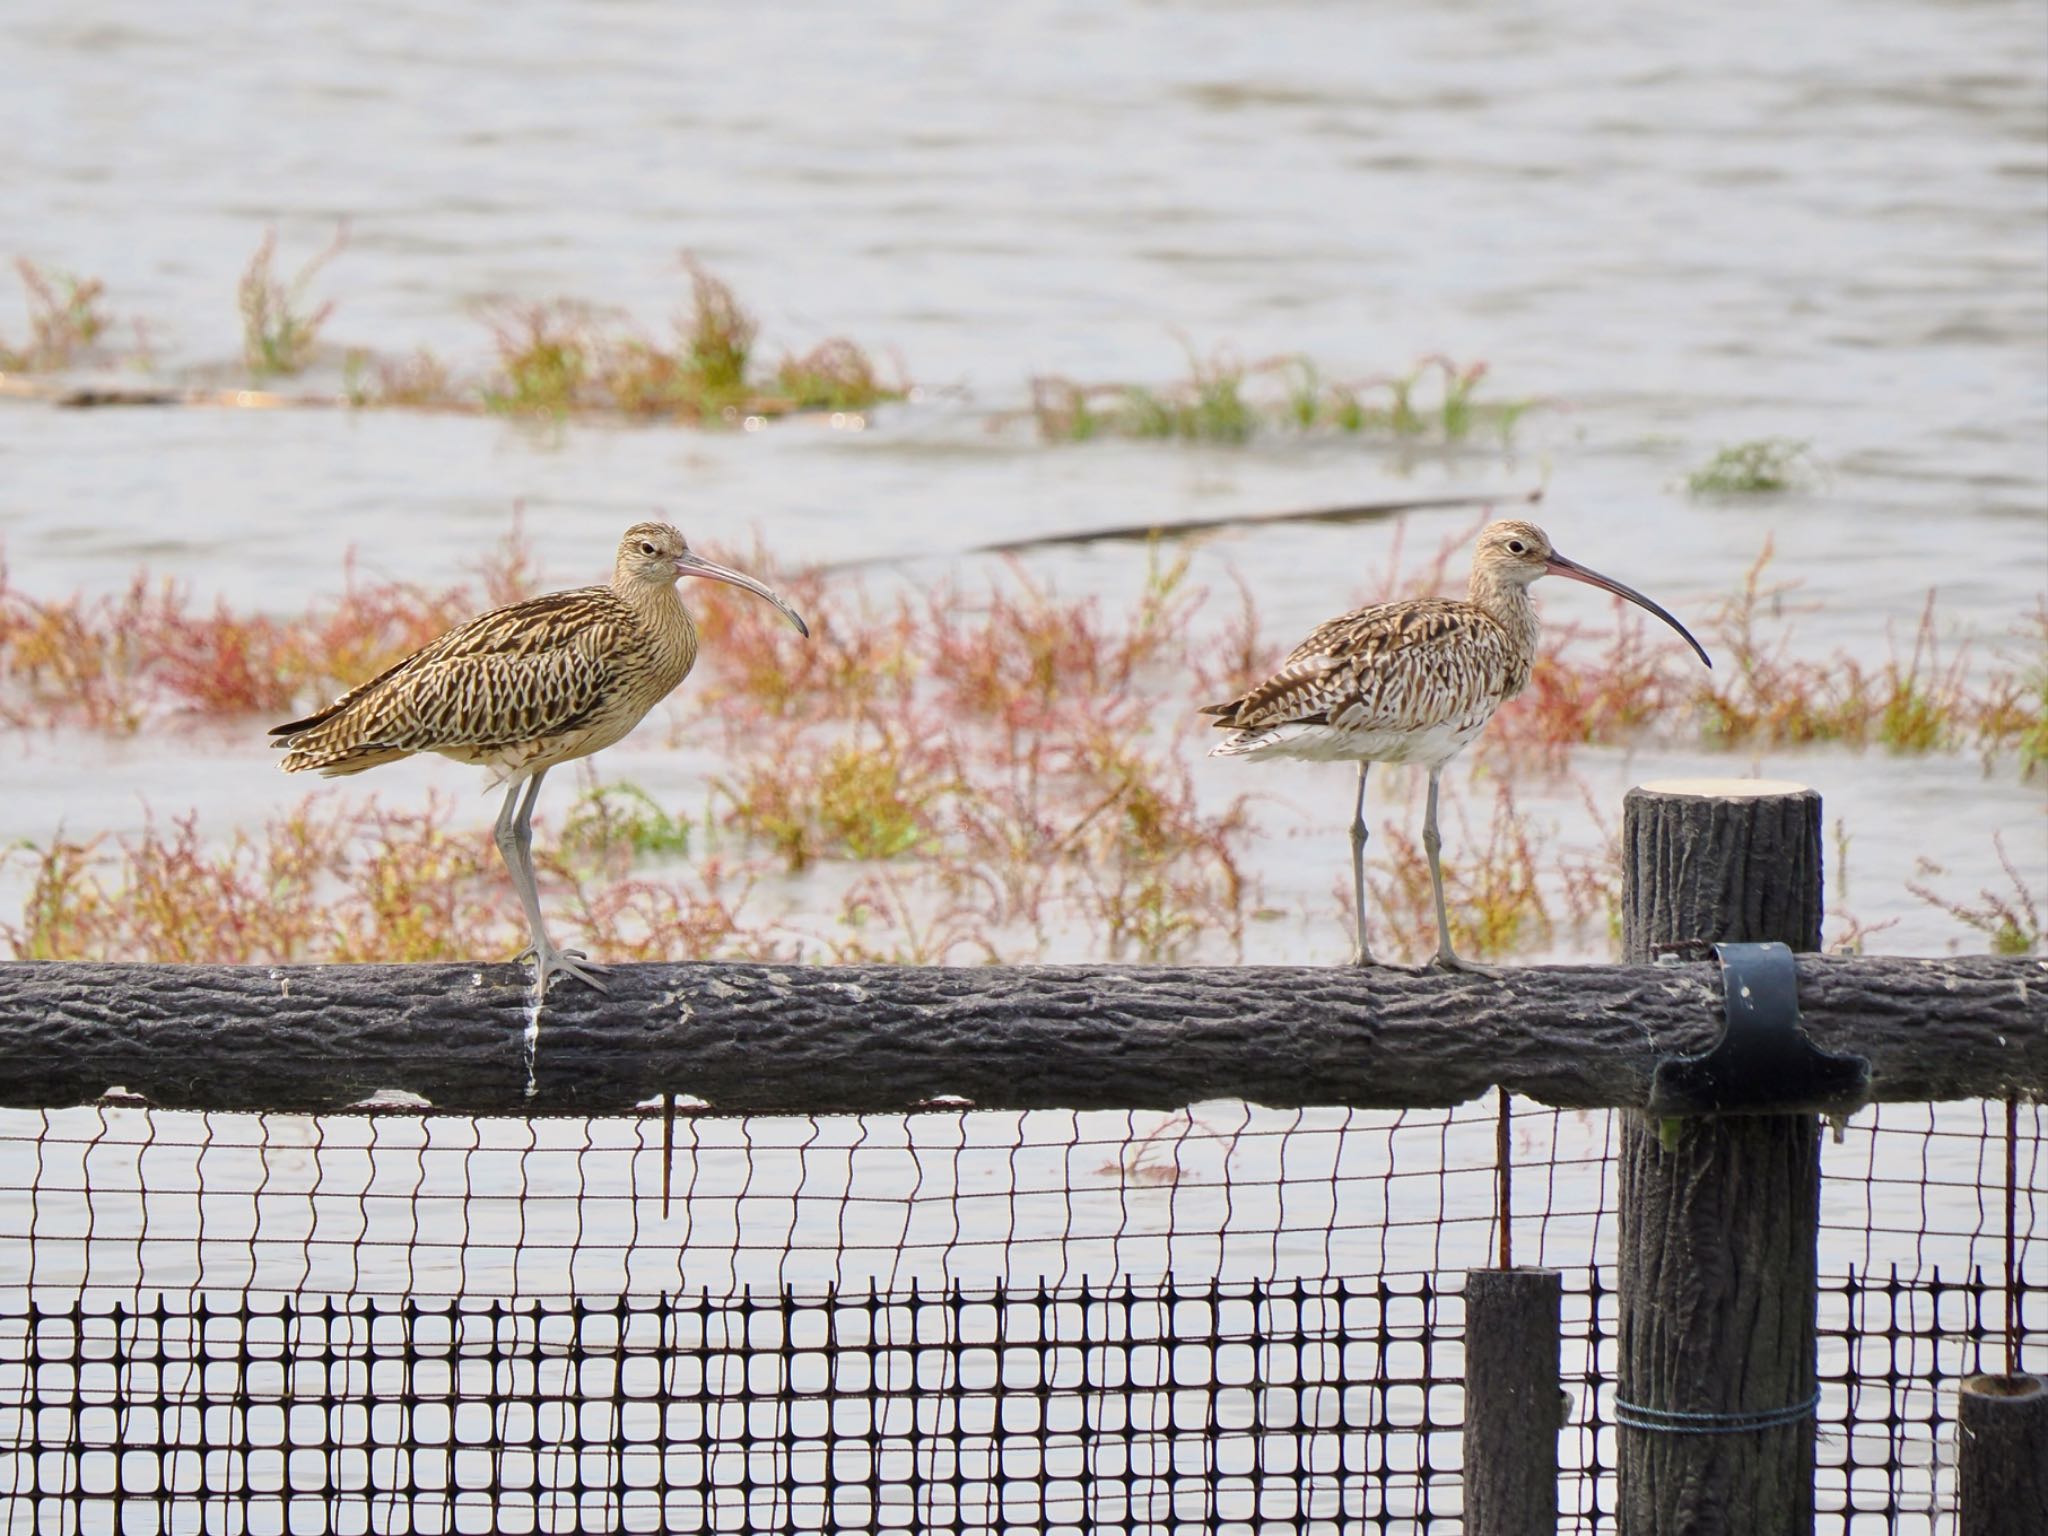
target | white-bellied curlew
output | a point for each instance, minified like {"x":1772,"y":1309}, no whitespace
{"x":1412,"y":682}
{"x":522,"y":689}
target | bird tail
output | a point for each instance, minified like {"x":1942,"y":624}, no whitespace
{"x":322,"y":743}
{"x":1240,"y":744}
{"x":340,"y":762}
{"x":293,"y":728}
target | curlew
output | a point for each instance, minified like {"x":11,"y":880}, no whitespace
{"x":522,"y":689}
{"x":1412,"y":682}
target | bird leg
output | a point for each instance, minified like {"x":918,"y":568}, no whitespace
{"x":506,"y":833}
{"x":522,"y":831}
{"x":1358,"y":835}
{"x":514,"y":836}
{"x":1446,"y":958}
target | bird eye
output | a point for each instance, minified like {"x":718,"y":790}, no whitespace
{"x":1517,"y":547}
{"x":646,"y":548}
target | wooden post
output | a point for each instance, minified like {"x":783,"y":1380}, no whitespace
{"x":1720,"y":1215}
{"x":2002,"y":1456}
{"x":1513,"y":1403}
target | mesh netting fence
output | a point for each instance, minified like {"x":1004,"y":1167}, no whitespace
{"x":1225,"y":1320}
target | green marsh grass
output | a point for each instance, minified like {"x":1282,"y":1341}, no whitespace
{"x":718,"y":340}
{"x":2014,"y":709}
{"x":622,"y":819}
{"x":419,"y":381}
{"x":341,"y":878}
{"x":280,"y":325}
{"x":1223,"y":400}
{"x":857,"y":799}
{"x":562,"y":358}
{"x":554,"y":358}
{"x":2009,"y":919}
{"x":1509,"y":887}
{"x":67,"y":318}
{"x":1760,"y":467}
{"x":835,"y":375}
{"x":544,"y":354}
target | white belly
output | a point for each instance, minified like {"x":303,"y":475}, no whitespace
{"x":1430,"y":745}
{"x":522,"y":758}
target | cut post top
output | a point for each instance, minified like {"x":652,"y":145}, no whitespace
{"x":1725,"y":789}
{"x":2020,"y":1388}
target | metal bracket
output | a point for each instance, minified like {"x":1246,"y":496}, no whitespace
{"x":1763,"y":1063}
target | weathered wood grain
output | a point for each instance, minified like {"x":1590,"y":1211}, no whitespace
{"x":1720,"y":1216}
{"x":1514,"y":1401}
{"x":793,"y":1039}
{"x":2002,"y":1456}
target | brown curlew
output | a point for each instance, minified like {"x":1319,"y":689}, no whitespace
{"x":1412,"y":682}
{"x":522,"y":689}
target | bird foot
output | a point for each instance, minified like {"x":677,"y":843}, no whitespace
{"x":549,"y":962}
{"x":1449,"y":960}
{"x":527,"y":954}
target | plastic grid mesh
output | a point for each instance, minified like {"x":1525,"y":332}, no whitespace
{"x":1230,"y":1320}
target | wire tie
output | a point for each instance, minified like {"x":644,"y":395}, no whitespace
{"x":1677,"y":1421}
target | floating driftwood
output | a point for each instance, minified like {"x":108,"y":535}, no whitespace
{"x":1351,"y":512}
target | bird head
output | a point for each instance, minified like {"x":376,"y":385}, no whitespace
{"x":649,"y":552}
{"x":655,"y":554}
{"x":1515,"y":553}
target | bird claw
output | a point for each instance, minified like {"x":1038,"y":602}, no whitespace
{"x":550,"y":962}
{"x":527,"y":954}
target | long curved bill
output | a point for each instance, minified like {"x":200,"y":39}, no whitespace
{"x":1557,"y":565}
{"x":696,"y":565}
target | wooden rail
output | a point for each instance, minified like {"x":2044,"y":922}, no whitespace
{"x":755,"y":1039}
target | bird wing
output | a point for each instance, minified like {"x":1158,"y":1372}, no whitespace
{"x":514,"y":674}
{"x":1393,"y":667}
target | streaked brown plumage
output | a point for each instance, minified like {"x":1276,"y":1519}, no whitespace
{"x":1411,"y":682}
{"x":524,"y":688}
